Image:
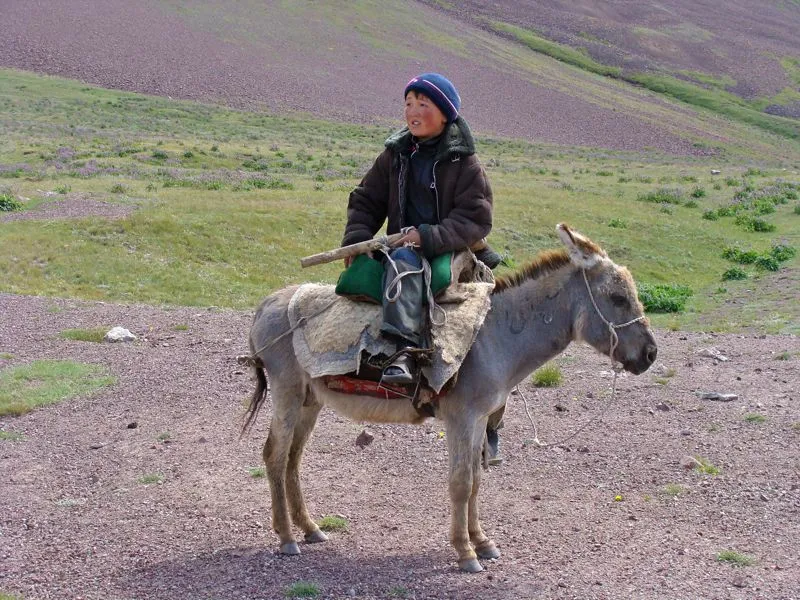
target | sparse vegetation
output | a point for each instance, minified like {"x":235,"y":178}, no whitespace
{"x":736,"y":559}
{"x":150,"y":478}
{"x":27,"y":387}
{"x":548,"y":375}
{"x":664,"y":298}
{"x":302,"y":589}
{"x":8,"y":203}
{"x":333,"y":523}
{"x":755,"y":418}
{"x":672,"y":490}
{"x":10,"y":436}
{"x":706,"y":467}
{"x":257,"y":472}
{"x":95,"y":334}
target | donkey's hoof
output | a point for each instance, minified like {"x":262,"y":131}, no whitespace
{"x":470,"y":565}
{"x":290,"y":549}
{"x":316,"y":536}
{"x":488,"y":550}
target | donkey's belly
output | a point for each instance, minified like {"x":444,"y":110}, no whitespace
{"x":367,"y":408}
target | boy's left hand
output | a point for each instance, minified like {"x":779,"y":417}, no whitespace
{"x":411,"y":238}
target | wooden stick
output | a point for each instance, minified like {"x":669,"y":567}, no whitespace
{"x":351,"y":250}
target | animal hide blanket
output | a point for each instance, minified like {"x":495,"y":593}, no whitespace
{"x":336,"y":331}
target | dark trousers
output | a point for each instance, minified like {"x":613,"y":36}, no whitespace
{"x":403,"y":312}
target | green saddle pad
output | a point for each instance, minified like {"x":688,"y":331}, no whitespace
{"x":363,"y":279}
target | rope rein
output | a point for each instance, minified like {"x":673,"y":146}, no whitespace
{"x":613,"y":343}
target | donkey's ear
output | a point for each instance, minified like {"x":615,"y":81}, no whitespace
{"x":582,"y":251}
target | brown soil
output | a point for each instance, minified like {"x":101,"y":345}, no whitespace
{"x":76,"y":523}
{"x":71,"y":206}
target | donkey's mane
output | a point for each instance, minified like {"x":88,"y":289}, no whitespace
{"x":545,"y":262}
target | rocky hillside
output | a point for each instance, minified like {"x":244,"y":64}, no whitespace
{"x":350,"y":62}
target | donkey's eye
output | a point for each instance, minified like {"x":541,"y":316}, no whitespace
{"x":619,"y":300}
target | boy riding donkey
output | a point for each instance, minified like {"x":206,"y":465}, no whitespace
{"x":430,"y":186}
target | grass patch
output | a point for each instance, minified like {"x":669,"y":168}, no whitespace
{"x":10,"y":436}
{"x":737,"y":559}
{"x":706,"y":467}
{"x":333,"y":523}
{"x":8,"y":203}
{"x":548,"y":375}
{"x":302,"y":589}
{"x":734,"y":274}
{"x":44,"y":382}
{"x":755,"y":418}
{"x":96,"y":334}
{"x":664,"y":298}
{"x":6,"y":356}
{"x":191,"y":245}
{"x":672,"y":490}
{"x":662,"y":196}
{"x":151,"y":478}
{"x":180,"y":327}
{"x":257,"y":472}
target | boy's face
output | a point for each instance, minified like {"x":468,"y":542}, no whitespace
{"x":423,"y":117}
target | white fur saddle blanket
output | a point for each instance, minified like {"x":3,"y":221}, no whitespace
{"x":332,"y":332}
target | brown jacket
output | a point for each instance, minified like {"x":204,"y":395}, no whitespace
{"x":462,"y":191}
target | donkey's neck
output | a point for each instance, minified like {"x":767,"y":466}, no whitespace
{"x":528,"y":325}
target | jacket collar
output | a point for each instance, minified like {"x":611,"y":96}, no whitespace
{"x":456,"y":139}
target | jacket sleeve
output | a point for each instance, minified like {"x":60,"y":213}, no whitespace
{"x":369,"y":201}
{"x":470,"y":219}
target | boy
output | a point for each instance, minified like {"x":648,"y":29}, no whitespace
{"x":429,"y":184}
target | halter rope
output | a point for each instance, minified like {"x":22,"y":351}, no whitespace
{"x":613,"y":342}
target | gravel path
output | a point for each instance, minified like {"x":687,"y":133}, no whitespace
{"x":76,"y":523}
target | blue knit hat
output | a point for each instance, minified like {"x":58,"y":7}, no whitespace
{"x":440,"y":90}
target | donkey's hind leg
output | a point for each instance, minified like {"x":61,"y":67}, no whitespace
{"x":302,"y":431}
{"x":287,"y":405}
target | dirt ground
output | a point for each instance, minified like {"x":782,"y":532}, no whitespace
{"x":609,"y":513}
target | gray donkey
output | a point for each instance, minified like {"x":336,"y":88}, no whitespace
{"x":573,"y":294}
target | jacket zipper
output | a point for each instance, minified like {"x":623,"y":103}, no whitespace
{"x":436,"y":192}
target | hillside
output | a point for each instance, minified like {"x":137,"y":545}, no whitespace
{"x":348,"y":62}
{"x":748,"y":48}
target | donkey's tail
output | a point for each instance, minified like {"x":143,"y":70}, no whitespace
{"x":260,"y":393}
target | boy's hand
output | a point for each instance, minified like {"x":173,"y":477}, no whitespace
{"x":411,"y":238}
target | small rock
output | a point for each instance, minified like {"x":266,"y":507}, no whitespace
{"x":561,"y":408}
{"x":133,"y":425}
{"x":119,"y":334}
{"x":537,"y":496}
{"x":364,"y":438}
{"x":739,"y":582}
{"x":764,"y":497}
{"x":662,"y":407}
{"x":715,"y":171}
{"x":718,"y":396}
{"x":583,"y":449}
{"x":690,"y":462}
{"x":712,"y":352}
{"x":686,"y":432}
{"x":96,"y":446}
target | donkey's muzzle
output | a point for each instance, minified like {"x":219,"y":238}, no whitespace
{"x":644,"y":361}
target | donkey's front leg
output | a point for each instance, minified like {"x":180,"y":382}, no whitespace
{"x":484,"y":547}
{"x":464,"y":443}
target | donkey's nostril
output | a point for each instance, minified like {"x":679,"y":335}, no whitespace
{"x":652,"y":352}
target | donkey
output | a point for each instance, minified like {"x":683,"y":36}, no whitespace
{"x":572,"y":294}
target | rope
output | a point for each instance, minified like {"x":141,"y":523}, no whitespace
{"x":300,"y":322}
{"x":613,"y":343}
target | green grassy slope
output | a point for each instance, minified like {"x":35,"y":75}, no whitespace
{"x":228,"y":201}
